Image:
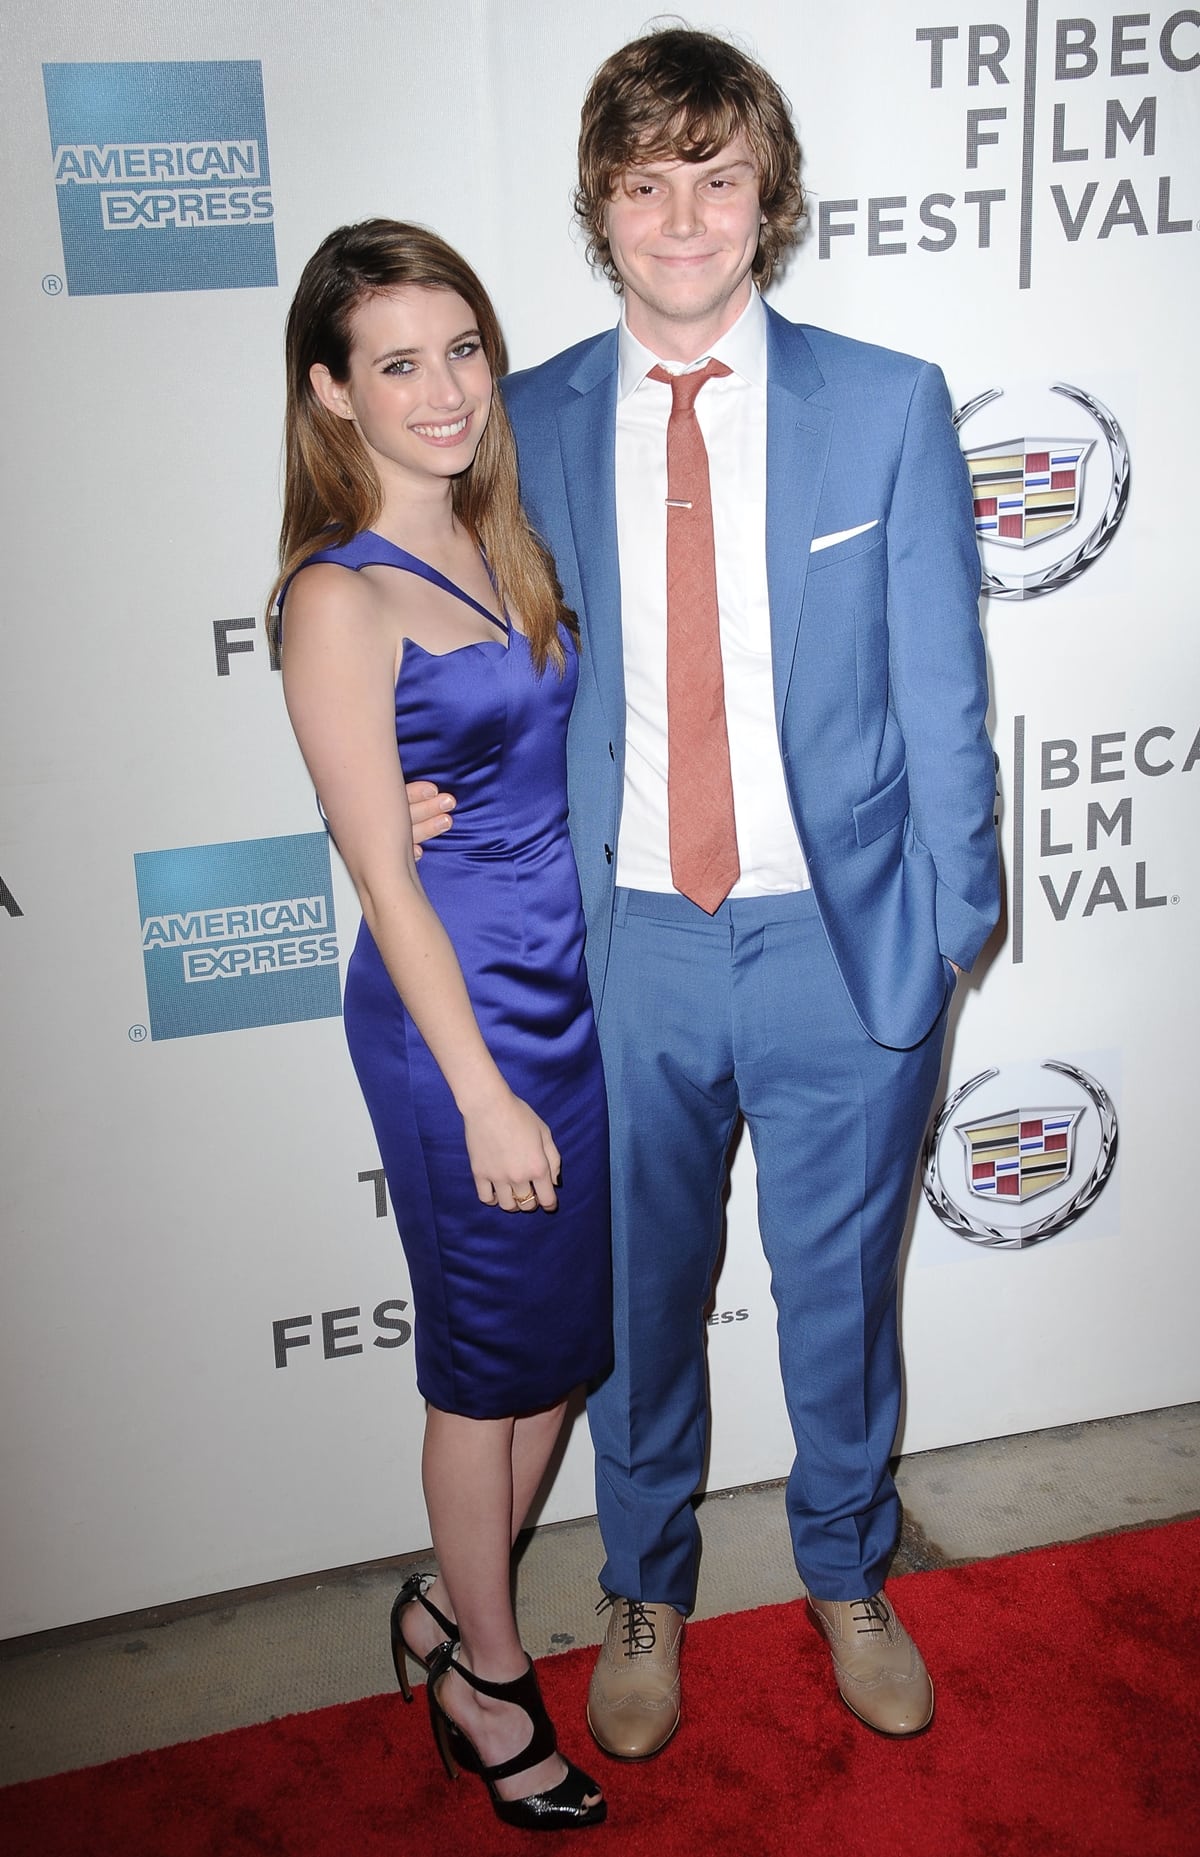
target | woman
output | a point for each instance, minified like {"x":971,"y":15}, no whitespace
{"x":424,"y":637}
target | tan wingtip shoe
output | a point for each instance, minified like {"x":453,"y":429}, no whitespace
{"x":880,"y":1673}
{"x":633,"y":1699}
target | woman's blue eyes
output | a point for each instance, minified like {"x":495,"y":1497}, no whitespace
{"x":462,"y":351}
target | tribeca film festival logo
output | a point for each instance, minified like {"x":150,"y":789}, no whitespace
{"x":238,"y":935}
{"x":162,"y":176}
{"x":1019,"y":1154}
{"x":1034,"y":492}
{"x":1076,"y":841}
{"x":1054,"y":112}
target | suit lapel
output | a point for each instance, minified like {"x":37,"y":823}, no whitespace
{"x":798,"y":440}
{"x":587,"y":426}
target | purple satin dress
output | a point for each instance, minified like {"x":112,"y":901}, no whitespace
{"x":511,"y":1310}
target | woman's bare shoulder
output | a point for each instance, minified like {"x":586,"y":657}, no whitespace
{"x":328,"y":591}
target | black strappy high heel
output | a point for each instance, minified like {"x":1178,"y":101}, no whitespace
{"x":413,"y":1593}
{"x":563,"y":1808}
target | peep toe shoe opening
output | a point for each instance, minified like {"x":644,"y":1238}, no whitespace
{"x":564,"y":1807}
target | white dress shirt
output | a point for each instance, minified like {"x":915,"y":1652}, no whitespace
{"x":732,"y":412}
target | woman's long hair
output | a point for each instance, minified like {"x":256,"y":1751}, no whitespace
{"x":331,"y":489}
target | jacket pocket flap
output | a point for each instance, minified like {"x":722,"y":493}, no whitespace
{"x":884,"y":810}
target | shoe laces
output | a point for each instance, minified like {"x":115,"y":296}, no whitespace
{"x":638,"y":1628}
{"x":872,"y":1614}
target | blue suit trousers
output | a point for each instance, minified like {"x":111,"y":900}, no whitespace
{"x":702,"y":1019}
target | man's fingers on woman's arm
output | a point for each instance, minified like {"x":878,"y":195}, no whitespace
{"x":429,"y":810}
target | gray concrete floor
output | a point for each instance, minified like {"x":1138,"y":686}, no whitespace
{"x":75,"y":1698}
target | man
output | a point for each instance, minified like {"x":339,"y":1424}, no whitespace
{"x":781,"y":806}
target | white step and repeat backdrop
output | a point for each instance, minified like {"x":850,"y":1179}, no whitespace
{"x":206,"y":1374}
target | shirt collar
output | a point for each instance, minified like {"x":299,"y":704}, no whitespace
{"x":742,"y":348}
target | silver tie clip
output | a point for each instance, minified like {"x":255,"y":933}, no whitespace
{"x":674,"y":503}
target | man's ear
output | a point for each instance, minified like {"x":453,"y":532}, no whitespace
{"x":334,"y":395}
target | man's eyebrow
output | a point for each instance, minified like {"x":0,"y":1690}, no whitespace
{"x":653,"y":169}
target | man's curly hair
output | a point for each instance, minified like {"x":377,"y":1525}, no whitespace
{"x":679,"y":95}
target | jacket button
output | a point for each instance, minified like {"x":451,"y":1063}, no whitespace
{"x":608,"y":853}
{"x":611,"y":755}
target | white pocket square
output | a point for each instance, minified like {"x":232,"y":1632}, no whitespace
{"x":841,"y":535}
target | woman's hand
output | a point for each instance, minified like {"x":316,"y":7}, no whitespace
{"x":514,"y":1161}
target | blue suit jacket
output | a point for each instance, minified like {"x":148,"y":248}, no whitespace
{"x":879,"y":669}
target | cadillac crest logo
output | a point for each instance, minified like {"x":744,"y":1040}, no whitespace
{"x":1020,"y":1153}
{"x":980,"y":1173}
{"x":1029,"y":490}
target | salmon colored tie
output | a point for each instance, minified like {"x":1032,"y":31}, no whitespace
{"x":703,"y":837}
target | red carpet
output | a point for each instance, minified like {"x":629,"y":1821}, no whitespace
{"x":1067,"y":1723}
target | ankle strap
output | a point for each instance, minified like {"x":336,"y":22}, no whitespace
{"x":443,"y":1623}
{"x":413,"y":1593}
{"x":523,"y":1693}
